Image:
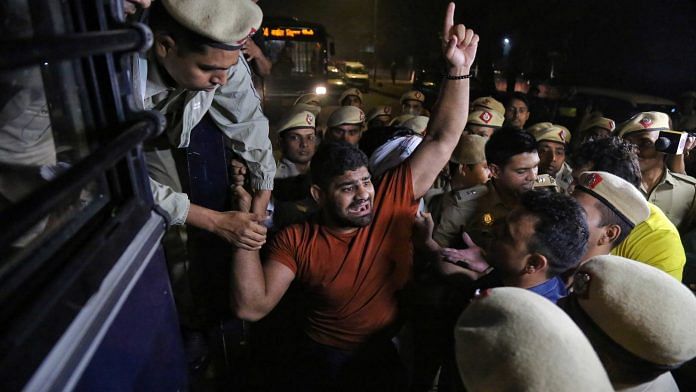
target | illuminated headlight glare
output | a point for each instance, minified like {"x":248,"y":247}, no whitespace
{"x":429,"y":84}
{"x":320,"y":90}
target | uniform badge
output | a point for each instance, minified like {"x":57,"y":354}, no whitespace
{"x":387,"y":110}
{"x":309,"y":119}
{"x":487,"y":219}
{"x":645,"y":122}
{"x":561,"y":135}
{"x":418,"y":95}
{"x":485,"y":117}
{"x":362,"y":116}
{"x":611,"y":124}
{"x":592,"y":180}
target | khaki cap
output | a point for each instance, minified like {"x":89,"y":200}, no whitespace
{"x":351,"y":91}
{"x":470,"y":150}
{"x":412,"y":95}
{"x":646,"y":121}
{"x":381,"y":110}
{"x":295,"y":120}
{"x":617,"y":194}
{"x":417,"y":124}
{"x":511,"y":339}
{"x":547,"y":131}
{"x":642,"y":309}
{"x":346,"y":115}
{"x":309,"y":99}
{"x":489,"y":103}
{"x":398,"y":120}
{"x":486,"y":118}
{"x":598,"y":122}
{"x":229,"y":22}
{"x":305,"y":107}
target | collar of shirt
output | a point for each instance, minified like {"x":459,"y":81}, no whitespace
{"x":553,"y":289}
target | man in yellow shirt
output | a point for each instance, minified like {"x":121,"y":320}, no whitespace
{"x":655,"y":241}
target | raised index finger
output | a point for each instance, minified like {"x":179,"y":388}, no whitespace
{"x":449,"y":22}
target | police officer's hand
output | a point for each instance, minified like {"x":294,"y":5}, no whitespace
{"x":131,"y":6}
{"x":242,"y":229}
{"x":423,"y":227}
{"x":251,"y":50}
{"x":241,"y":199}
{"x":238,"y":173}
{"x":460,"y":43}
{"x":471,"y":258}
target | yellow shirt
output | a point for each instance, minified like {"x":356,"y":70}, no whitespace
{"x":655,"y":242}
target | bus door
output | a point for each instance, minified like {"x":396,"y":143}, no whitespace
{"x":85,"y":299}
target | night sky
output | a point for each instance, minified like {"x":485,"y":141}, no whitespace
{"x":645,"y":46}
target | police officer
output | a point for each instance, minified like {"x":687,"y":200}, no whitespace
{"x":298,"y":142}
{"x":379,"y":116}
{"x":553,"y":141}
{"x":351,"y":97}
{"x":346,"y":123}
{"x":412,"y":102}
{"x":483,"y":122}
{"x":596,"y":127}
{"x":488,"y":103}
{"x":468,"y":177}
{"x":674,"y":193}
{"x":638,"y":319}
{"x":513,"y":161}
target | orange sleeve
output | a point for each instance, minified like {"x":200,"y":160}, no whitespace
{"x":283,"y":248}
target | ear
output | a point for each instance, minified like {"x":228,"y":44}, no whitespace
{"x":164,"y":44}
{"x":317,"y":194}
{"x":463,"y":170}
{"x":535,"y":263}
{"x":610,"y":234}
{"x":495,"y":170}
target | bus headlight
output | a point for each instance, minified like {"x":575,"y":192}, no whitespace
{"x":320,"y":90}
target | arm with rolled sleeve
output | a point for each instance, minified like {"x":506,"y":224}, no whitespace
{"x":236,"y":109}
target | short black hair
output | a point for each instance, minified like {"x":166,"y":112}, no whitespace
{"x":516,"y":95}
{"x":609,"y":217}
{"x":507,"y":142}
{"x":612,"y":155}
{"x":561,"y":231}
{"x":333,"y":159}
{"x":189,"y":41}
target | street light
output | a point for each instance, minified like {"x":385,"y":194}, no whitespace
{"x":506,"y":46}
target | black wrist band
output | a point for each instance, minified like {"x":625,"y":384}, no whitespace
{"x":458,"y":77}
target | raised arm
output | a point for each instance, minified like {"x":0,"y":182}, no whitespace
{"x":452,"y":108}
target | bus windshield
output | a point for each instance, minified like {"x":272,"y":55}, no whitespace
{"x":295,"y":58}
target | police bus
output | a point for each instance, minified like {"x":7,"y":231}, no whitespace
{"x":300,"y":53}
{"x":85,"y":297}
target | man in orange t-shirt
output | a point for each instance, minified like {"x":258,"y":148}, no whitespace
{"x":354,"y":258}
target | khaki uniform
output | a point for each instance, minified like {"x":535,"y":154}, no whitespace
{"x":675,"y":195}
{"x":285,"y":169}
{"x":469,"y":208}
{"x":234,"y":107}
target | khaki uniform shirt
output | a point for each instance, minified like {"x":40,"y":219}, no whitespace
{"x":476,"y":210}
{"x":234,"y":107}
{"x":675,"y":194}
{"x":285,"y":169}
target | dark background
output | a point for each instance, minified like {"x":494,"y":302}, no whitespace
{"x":646,"y":46}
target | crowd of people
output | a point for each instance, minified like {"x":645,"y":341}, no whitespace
{"x":387,"y":231}
{"x":457,"y":247}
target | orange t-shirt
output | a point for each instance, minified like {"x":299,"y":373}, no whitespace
{"x":351,"y":280}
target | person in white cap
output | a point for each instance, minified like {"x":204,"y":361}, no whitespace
{"x":379,"y":116}
{"x":639,"y":320}
{"x":412,"y":102}
{"x":674,"y":193}
{"x":613,"y":207}
{"x":351,"y":97}
{"x":596,"y":127}
{"x":349,"y":261}
{"x":298,"y":142}
{"x":194,"y":70}
{"x":655,"y":241}
{"x":508,"y":339}
{"x":553,"y":142}
{"x":345,"y":123}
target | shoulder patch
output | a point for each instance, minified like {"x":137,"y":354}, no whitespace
{"x":469,"y":194}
